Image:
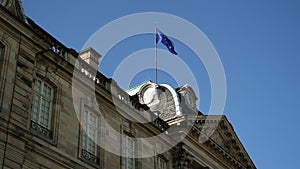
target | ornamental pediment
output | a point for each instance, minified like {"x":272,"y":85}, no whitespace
{"x":218,"y":134}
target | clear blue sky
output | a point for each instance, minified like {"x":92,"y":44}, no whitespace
{"x":258,"y":42}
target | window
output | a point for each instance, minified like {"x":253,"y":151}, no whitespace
{"x":1,"y":72}
{"x":1,"y":57}
{"x":41,"y":108}
{"x":1,"y":50}
{"x":1,"y":60}
{"x":160,"y":163}
{"x":89,"y":136}
{"x":128,"y":152}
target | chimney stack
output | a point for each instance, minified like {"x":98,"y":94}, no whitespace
{"x":91,"y":57}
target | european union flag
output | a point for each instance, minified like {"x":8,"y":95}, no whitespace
{"x":161,"y":37}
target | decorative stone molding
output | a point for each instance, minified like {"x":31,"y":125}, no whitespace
{"x":223,"y":141}
{"x":181,"y":158}
{"x":188,"y":97}
{"x":14,"y":7}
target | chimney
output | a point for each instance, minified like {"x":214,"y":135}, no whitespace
{"x":91,"y":57}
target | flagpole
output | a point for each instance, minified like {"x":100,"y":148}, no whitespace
{"x":156,"y":63}
{"x":156,"y":81}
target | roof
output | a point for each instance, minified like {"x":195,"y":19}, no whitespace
{"x":135,"y":89}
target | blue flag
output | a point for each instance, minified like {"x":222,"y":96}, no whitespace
{"x":161,"y":37}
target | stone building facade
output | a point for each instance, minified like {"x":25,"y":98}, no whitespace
{"x":48,"y":120}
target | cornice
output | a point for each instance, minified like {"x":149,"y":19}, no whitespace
{"x":223,"y":142}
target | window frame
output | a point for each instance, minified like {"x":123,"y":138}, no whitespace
{"x":41,"y":96}
{"x":34,"y":128}
{"x":87,"y":133}
{"x":2,"y":59}
{"x":125,"y":159}
{"x":49,"y":132}
{"x":158,"y":162}
{"x":4,"y":64}
{"x":92,"y":158}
